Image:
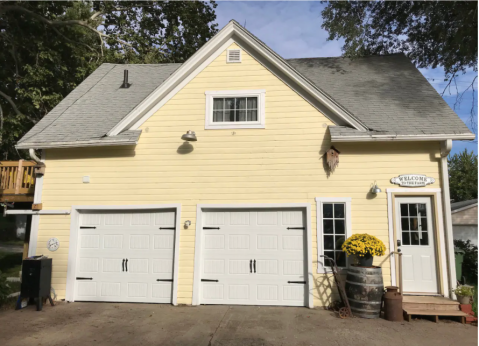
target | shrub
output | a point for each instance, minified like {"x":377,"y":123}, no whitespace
{"x":363,"y":245}
{"x":4,"y":288}
{"x":469,"y":266}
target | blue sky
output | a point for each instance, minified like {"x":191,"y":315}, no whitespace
{"x":293,"y":30}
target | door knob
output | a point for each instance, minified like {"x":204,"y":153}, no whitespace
{"x":399,"y":242}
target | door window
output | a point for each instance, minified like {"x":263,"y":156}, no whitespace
{"x":414,"y":225}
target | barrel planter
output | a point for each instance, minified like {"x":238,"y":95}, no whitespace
{"x":364,"y":289}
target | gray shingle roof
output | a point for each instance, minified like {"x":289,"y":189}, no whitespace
{"x":387,"y":93}
{"x":97,"y":105}
{"x":463,"y":204}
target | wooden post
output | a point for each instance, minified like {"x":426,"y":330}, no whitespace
{"x":18,"y":182}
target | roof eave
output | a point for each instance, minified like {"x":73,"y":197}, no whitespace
{"x":410,"y":138}
{"x":76,"y":144}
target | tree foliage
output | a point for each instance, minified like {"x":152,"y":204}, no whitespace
{"x":469,"y":266}
{"x":47,"y":48}
{"x":463,"y":176}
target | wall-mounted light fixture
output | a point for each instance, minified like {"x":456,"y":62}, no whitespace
{"x":189,"y":136}
{"x":375,"y":189}
{"x":187,"y":223}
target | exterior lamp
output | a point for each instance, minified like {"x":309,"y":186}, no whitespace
{"x":189,"y":136}
{"x":375,"y":189}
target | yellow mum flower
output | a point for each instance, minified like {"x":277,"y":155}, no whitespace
{"x":364,"y":244}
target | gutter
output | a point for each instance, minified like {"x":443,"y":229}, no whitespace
{"x":384,"y":138}
{"x":446,"y":147}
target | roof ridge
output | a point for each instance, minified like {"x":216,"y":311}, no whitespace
{"x":345,"y":57}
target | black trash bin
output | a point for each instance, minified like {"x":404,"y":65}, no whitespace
{"x":37,"y":280}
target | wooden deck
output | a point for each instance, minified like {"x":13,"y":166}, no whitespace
{"x":432,"y":306}
{"x":17,"y":181}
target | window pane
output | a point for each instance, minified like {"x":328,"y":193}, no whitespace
{"x":413,"y":224}
{"x":218,"y":103}
{"x":252,"y":115}
{"x":339,"y":210}
{"x":329,"y":254}
{"x":329,"y":242}
{"x":327,"y":210}
{"x":328,"y":226}
{"x":404,"y":210}
{"x":229,"y":103}
{"x":241,"y":115}
{"x":218,"y":116}
{"x":412,"y":209}
{"x":241,"y":103}
{"x":252,"y":103}
{"x":414,"y":238}
{"x":422,"y":209}
{"x":339,"y":227}
{"x":405,"y":224}
{"x":425,"y":238}
{"x":405,"y":238}
{"x":230,"y":115}
{"x":338,"y":242}
{"x":340,"y":259}
{"x":424,"y":223}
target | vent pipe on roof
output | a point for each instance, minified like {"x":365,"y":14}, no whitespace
{"x":125,"y":84}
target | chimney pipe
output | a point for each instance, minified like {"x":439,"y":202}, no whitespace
{"x":125,"y":84}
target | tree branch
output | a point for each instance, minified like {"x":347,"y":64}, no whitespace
{"x":9,"y":100}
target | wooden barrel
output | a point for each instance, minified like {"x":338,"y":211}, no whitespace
{"x":364,"y":289}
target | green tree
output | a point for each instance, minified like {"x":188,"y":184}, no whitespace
{"x":463,"y":176}
{"x":47,"y":48}
{"x":430,"y":33}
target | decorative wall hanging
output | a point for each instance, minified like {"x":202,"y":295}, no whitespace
{"x":412,"y":180}
{"x":332,"y":158}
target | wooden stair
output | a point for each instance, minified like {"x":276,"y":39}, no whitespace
{"x":432,"y":306}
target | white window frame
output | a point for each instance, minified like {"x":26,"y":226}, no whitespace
{"x":319,"y":227}
{"x":260,"y":124}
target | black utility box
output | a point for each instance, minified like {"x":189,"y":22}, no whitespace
{"x":36,"y":279}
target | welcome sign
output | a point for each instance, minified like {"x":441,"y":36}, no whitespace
{"x":412,"y":180}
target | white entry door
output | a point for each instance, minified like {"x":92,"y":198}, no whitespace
{"x":416,"y":235}
{"x":125,"y":256}
{"x":253,"y":257}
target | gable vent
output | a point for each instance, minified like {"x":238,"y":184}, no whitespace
{"x":233,"y":55}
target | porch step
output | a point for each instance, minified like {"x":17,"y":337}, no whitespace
{"x":429,"y":303}
{"x":435,"y":313}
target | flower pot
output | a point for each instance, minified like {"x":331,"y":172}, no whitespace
{"x":363,"y":261}
{"x":464,"y":299}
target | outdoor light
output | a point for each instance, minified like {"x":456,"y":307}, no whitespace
{"x":375,"y":189}
{"x":187,"y":223}
{"x":189,"y":136}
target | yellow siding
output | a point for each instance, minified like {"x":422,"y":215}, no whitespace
{"x":282,"y":163}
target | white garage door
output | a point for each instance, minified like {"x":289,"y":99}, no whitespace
{"x":253,"y":257}
{"x":125,"y":256}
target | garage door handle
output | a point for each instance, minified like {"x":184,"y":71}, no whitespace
{"x":211,"y":228}
{"x":87,"y":227}
{"x":123,"y":265}
{"x":296,"y":282}
{"x":173,"y":228}
{"x":295,"y":227}
{"x":84,"y":278}
{"x":169,"y":280}
{"x":254,"y":265}
{"x":250,"y":266}
{"x":208,"y":280}
{"x":126,"y":265}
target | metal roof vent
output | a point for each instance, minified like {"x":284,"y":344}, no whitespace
{"x":125,"y":84}
{"x":233,"y":55}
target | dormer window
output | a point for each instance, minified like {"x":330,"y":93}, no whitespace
{"x":232,"y":109}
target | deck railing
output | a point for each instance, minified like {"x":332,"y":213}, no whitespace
{"x":17,"y":177}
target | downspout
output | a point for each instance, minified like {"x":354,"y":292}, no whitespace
{"x":446,"y":147}
{"x":37,"y":199}
{"x":34,"y":156}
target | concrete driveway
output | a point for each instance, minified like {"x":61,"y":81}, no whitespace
{"x":148,"y":324}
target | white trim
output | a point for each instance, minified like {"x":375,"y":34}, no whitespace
{"x":37,"y":212}
{"x":73,"y":247}
{"x":384,"y":138}
{"x":464,"y":208}
{"x":212,"y":49}
{"x":37,"y":199}
{"x":229,"y":61}
{"x":78,"y":144}
{"x":259,"y":94}
{"x":319,"y":226}
{"x":440,"y":230}
{"x":199,"y":228}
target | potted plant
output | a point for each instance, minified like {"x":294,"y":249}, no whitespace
{"x":363,"y":247}
{"x":464,"y":294}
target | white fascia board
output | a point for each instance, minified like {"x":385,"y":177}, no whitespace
{"x":77,"y":144}
{"x":384,"y":138}
{"x":194,"y":65}
{"x":37,"y":212}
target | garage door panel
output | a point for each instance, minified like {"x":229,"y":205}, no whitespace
{"x":107,"y":239}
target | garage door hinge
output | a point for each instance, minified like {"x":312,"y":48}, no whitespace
{"x":211,"y":228}
{"x":296,"y":228}
{"x":169,"y":280}
{"x":208,"y":280}
{"x":173,"y":228}
{"x":84,"y":278}
{"x":296,"y":282}
{"x":87,"y":227}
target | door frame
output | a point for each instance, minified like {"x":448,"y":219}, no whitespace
{"x":438,"y":221}
{"x":201,"y":208}
{"x":74,"y":233}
